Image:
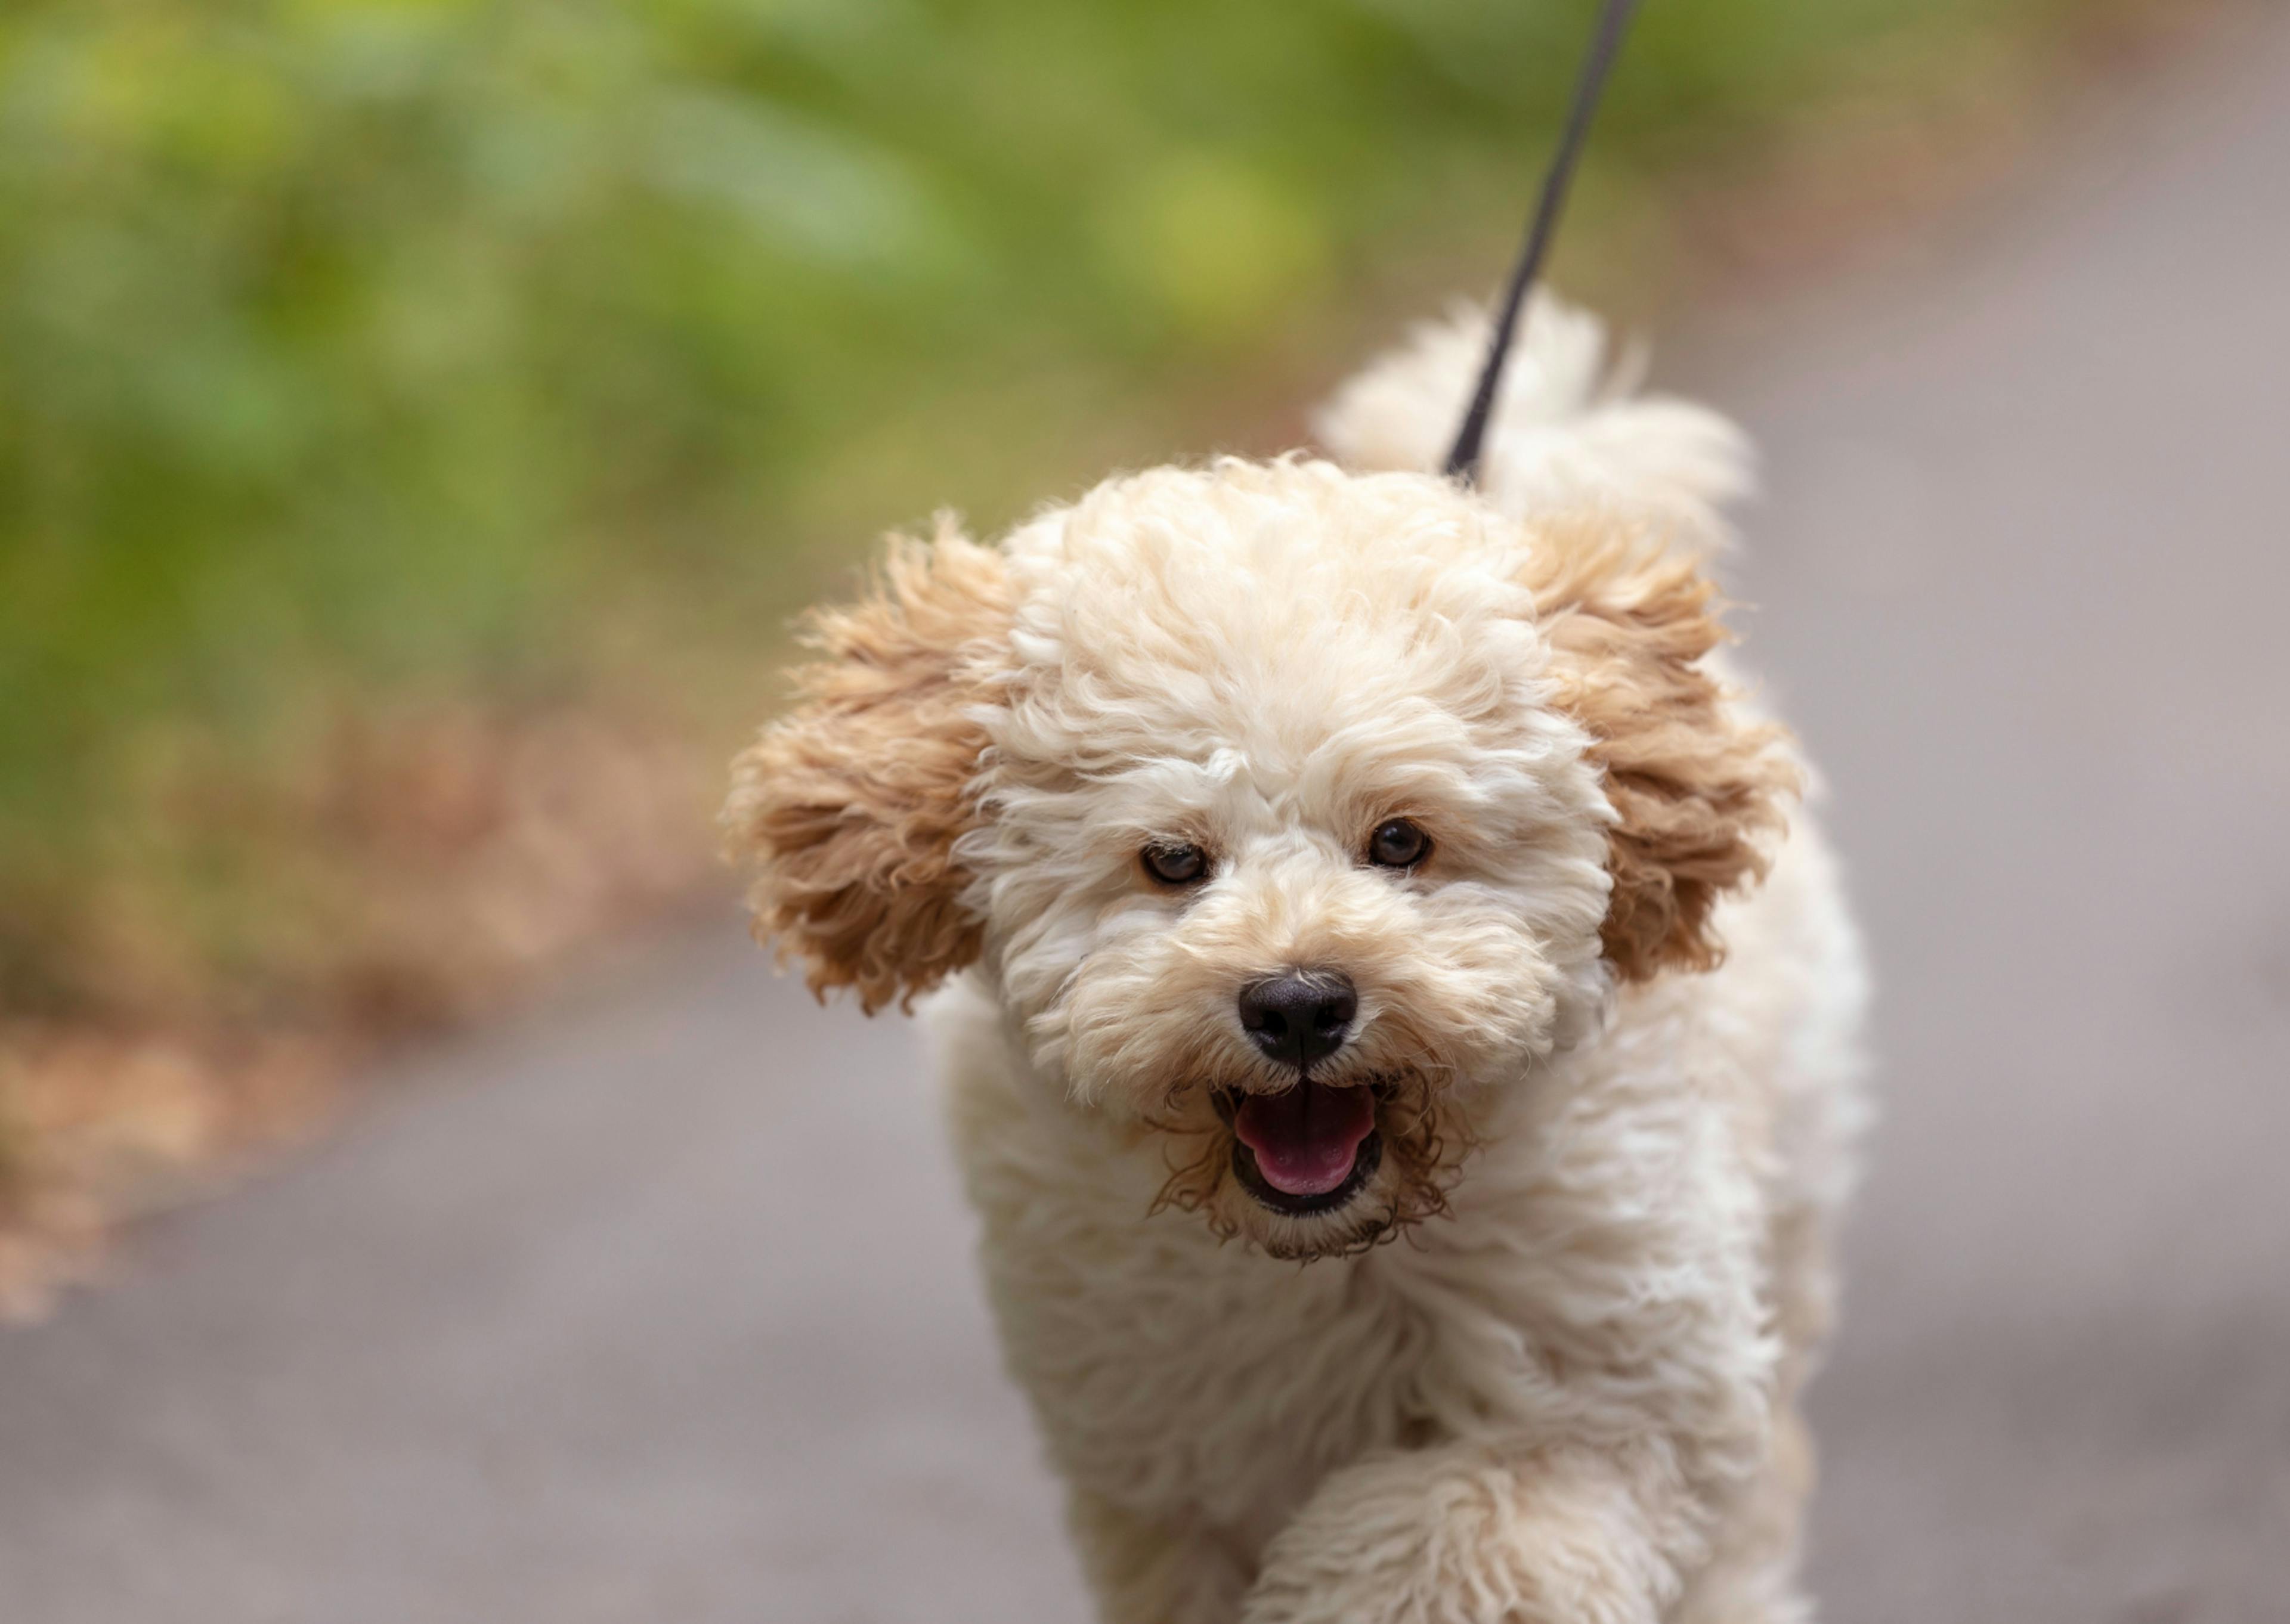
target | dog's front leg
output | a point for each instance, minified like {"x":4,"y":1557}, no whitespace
{"x":1474,"y":1534}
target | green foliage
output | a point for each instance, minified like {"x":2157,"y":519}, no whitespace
{"x":372,"y":347}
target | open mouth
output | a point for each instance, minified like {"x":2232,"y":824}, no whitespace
{"x":1308,"y":1149}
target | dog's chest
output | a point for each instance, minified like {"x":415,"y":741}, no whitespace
{"x":1225,"y":1385}
{"x":1173,"y":1375}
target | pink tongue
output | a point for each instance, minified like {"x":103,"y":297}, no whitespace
{"x":1306,"y":1139}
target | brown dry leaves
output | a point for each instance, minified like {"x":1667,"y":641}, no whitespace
{"x":411,"y":872}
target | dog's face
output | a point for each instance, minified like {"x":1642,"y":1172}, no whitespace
{"x":1289,"y":812}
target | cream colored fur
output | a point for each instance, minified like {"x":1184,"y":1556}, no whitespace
{"x":1615,"y":1014}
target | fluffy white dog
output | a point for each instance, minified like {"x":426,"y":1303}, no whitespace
{"x":1316,"y":854}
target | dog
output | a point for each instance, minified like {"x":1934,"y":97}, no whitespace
{"x":1397,"y":1017}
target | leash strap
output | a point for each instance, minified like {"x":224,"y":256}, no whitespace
{"x":1463,"y":460}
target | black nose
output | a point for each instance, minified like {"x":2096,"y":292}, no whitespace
{"x":1301,"y":1018}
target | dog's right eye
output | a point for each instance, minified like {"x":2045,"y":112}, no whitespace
{"x":1179,"y":865}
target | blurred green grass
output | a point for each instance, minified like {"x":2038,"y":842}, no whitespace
{"x":365,"y":354}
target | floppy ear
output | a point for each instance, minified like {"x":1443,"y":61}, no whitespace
{"x":1700,"y":788}
{"x":847,"y":810}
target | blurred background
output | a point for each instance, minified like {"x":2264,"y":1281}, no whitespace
{"x":420,"y":417}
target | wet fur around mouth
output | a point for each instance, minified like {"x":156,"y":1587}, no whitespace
{"x":1409,"y":1140}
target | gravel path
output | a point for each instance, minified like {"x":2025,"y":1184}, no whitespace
{"x":584,"y":1324}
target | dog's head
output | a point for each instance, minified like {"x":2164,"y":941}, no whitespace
{"x":1287,"y":811}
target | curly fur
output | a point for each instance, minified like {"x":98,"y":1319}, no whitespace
{"x":847,"y":810}
{"x":1698,"y":785}
{"x":1609,"y":1021}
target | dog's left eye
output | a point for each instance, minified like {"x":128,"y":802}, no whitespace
{"x":1178,"y":864}
{"x":1398,"y":844}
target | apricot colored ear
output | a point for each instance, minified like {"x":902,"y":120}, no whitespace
{"x":1699,"y":786}
{"x":847,"y":810}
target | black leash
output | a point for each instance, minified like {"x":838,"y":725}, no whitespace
{"x":1463,"y":461}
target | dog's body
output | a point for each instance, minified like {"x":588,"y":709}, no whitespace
{"x":1321,"y":856}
